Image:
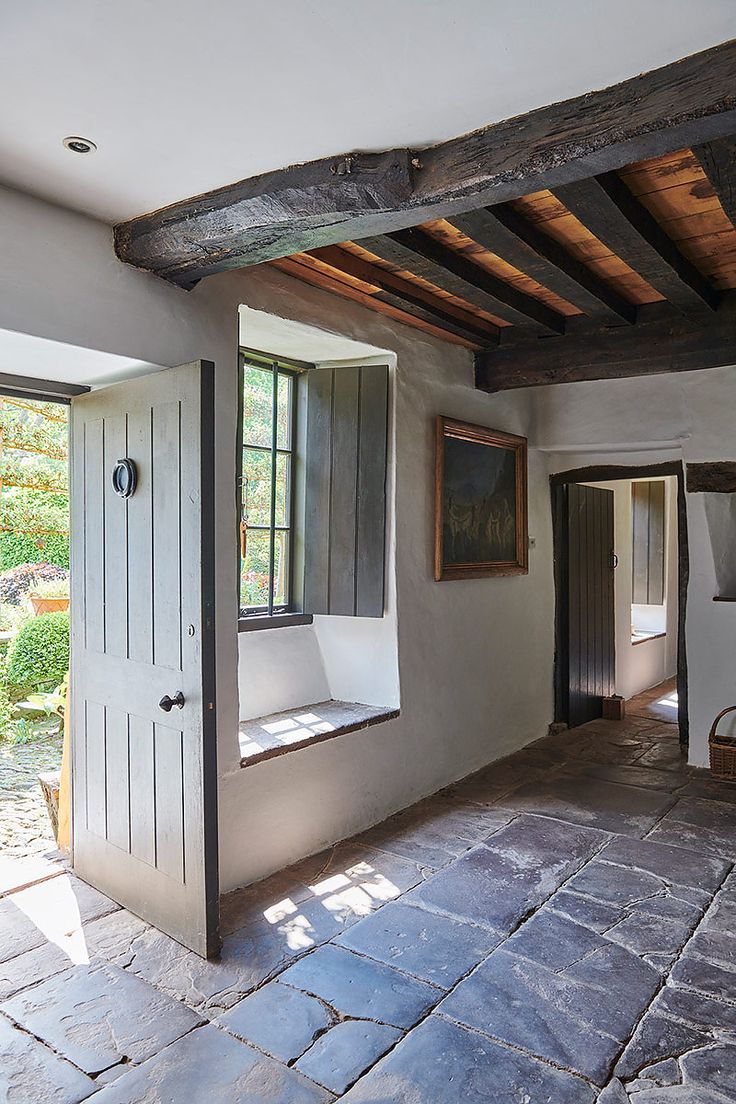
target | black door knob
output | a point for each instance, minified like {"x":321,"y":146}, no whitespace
{"x":167,"y":703}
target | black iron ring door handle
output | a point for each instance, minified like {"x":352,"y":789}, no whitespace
{"x":167,"y":703}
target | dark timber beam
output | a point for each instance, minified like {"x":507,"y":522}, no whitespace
{"x":718,"y":160}
{"x":717,"y":476}
{"x":353,"y":196}
{"x":412,"y":300}
{"x":609,"y":210}
{"x":662,"y":341}
{"x":517,"y":240}
{"x":426,"y":257}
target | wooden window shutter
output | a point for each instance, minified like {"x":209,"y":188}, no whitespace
{"x":648,"y":526}
{"x":345,"y":490}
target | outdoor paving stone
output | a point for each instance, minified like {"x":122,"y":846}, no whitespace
{"x":704,"y":977}
{"x":443,"y":1063}
{"x":436,"y":831}
{"x":657,"y":1037}
{"x":496,"y":884}
{"x":31,"y":967}
{"x":53,"y":909}
{"x":677,"y":1094}
{"x":427,"y":945}
{"x":340,"y":1057}
{"x":282,"y":1021}
{"x":530,"y":1007}
{"x":362,"y":988}
{"x":705,"y":826}
{"x":111,"y":936}
{"x":614,"y":1093}
{"x":20,"y":873}
{"x":210,"y":1065}
{"x":609,"y":806}
{"x":712,"y":1067}
{"x":99,"y":1016}
{"x":674,"y":864}
{"x":552,"y":940}
{"x":30,"y":1073}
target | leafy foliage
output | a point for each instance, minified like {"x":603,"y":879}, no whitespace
{"x":23,"y":548}
{"x":16,"y":583}
{"x":39,"y":655}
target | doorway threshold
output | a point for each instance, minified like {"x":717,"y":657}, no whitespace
{"x":278,"y":733}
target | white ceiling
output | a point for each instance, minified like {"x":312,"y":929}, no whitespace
{"x":37,"y":357}
{"x":183,"y":96}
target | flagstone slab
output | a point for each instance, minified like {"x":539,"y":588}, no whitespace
{"x":647,"y":934}
{"x":705,"y":977}
{"x":553,"y":940}
{"x":436,"y":831}
{"x":443,"y":1063}
{"x":705,"y":826}
{"x":676,"y":865}
{"x":592,"y":914}
{"x":628,"y":810}
{"x":30,"y":1073}
{"x":657,"y":1037}
{"x":210,"y":1065}
{"x":633,"y":775}
{"x":341,"y":1056}
{"x":99,"y":1016}
{"x":52,"y":909}
{"x":427,"y":945}
{"x":616,"y":886}
{"x":362,"y":988}
{"x":496,"y":884}
{"x":278,"y":1019}
{"x":696,"y":1008}
{"x":713,"y":1067}
{"x":31,"y":967}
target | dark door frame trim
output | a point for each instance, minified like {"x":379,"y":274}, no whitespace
{"x":600,"y":474}
{"x":28,"y":387}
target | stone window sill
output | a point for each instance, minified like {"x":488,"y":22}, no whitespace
{"x":642,"y":637}
{"x":254,"y":621}
{"x":266,"y":737}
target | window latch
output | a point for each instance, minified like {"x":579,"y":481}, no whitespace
{"x":243,"y":538}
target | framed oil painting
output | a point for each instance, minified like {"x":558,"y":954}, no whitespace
{"x":480,"y":502}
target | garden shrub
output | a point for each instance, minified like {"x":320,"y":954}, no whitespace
{"x":39,"y":656}
{"x":21,"y":548}
{"x":6,"y":707}
{"x":15,"y":583}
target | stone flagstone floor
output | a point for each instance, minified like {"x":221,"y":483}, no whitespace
{"x":559,"y":928}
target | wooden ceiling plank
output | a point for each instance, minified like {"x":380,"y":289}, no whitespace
{"x":400,"y":294}
{"x":453,"y":272}
{"x":718,"y":160}
{"x":662,"y":341}
{"x":504,"y":231}
{"x":609,"y":210}
{"x":357,"y":195}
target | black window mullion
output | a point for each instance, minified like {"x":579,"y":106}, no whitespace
{"x":274,"y":455}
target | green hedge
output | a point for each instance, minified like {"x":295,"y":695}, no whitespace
{"x":39,"y":656}
{"x":20,"y":548}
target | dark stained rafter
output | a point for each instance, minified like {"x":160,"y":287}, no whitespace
{"x":718,"y":160}
{"x":454,"y":273}
{"x":609,"y":210}
{"x":505,"y":232}
{"x":407,"y":297}
{"x":360,"y":195}
{"x":662,"y":341}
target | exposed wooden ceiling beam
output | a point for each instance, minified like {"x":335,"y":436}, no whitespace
{"x":718,"y":160}
{"x":357,"y":195}
{"x":447,"y":269}
{"x":509,"y":235}
{"x":406,"y":297}
{"x":662,"y":341}
{"x":609,"y":210}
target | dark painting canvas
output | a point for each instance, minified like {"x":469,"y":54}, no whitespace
{"x":481,"y":512}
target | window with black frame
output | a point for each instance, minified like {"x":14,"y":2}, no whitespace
{"x":267,"y":481}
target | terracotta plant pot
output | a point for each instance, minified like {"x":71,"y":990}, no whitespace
{"x":39,"y":604}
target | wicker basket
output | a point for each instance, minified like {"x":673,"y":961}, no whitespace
{"x":722,"y":750}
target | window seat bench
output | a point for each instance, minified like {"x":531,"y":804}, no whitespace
{"x":266,"y":737}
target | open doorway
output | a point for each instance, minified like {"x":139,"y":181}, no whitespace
{"x":621,"y":570}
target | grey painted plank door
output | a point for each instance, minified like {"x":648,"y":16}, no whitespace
{"x":591,"y":638}
{"x":144,"y":781}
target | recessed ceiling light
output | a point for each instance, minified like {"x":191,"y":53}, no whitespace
{"x":79,"y":145}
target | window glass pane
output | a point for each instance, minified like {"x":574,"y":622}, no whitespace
{"x":281,"y":569}
{"x":254,"y":570}
{"x":283,"y":472}
{"x":256,"y":487}
{"x":283,"y":423}
{"x":257,"y":405}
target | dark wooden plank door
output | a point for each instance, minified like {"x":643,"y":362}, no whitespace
{"x":590,"y":601}
{"x":144,"y":780}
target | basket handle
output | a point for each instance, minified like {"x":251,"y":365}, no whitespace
{"x":714,"y":726}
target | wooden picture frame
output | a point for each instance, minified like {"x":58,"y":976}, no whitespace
{"x":481,"y":512}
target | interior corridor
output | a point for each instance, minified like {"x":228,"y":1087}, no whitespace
{"x":558,"y":920}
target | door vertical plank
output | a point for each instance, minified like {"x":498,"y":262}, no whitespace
{"x":94,"y":536}
{"x":371,"y":504}
{"x":166,"y":473}
{"x":142,"y":795}
{"x":609,"y":609}
{"x":318,"y":474}
{"x":140,"y":539}
{"x":115,"y":530}
{"x":117,"y":778}
{"x":95,"y":775}
{"x":169,"y":786}
{"x":574,"y":600}
{"x":343,"y":515}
